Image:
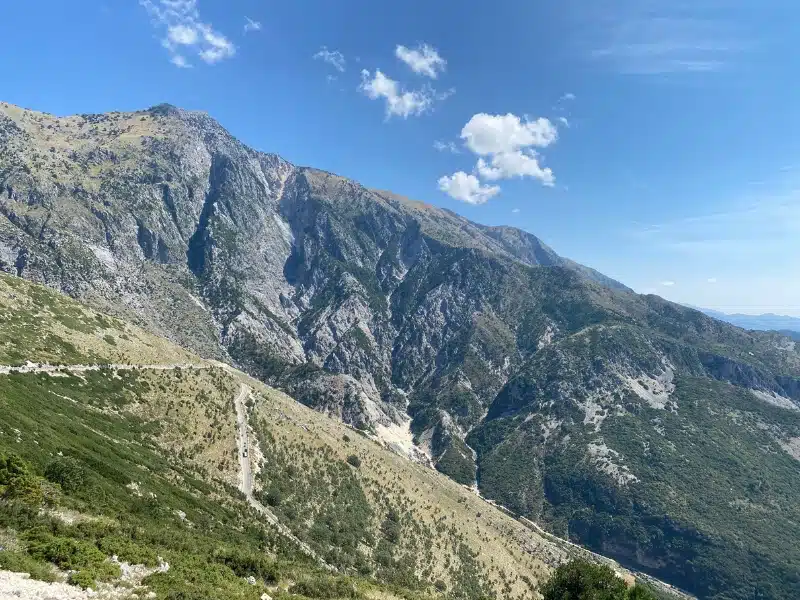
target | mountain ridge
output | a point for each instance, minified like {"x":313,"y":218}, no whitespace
{"x":762,"y":322}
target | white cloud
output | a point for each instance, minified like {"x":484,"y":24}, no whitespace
{"x":515,"y":210}
{"x":180,"y":61}
{"x":568,"y":96}
{"x":668,"y":283}
{"x":423,"y":59}
{"x":564,"y":121}
{"x":182,"y":34}
{"x":505,"y":145}
{"x":217,"y":47}
{"x":187,"y":33}
{"x":446,"y":147}
{"x":467,"y":188}
{"x":493,"y":134}
{"x":518,"y":163}
{"x":251,"y":25}
{"x":399,"y":102}
{"x":333,"y":57}
{"x":712,"y":280}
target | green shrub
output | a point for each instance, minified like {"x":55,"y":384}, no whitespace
{"x":19,"y":562}
{"x":66,"y":472}
{"x":273,"y":496}
{"x":195,"y":578}
{"x":582,"y":580}
{"x":129,"y":551}
{"x":71,"y":554}
{"x":354,"y":461}
{"x":326,"y":588}
{"x":83,"y":579}
{"x":17,"y":481}
{"x":247,"y":563}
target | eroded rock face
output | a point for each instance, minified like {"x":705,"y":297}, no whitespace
{"x":165,"y":218}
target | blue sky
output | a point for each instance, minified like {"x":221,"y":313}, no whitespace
{"x":657,"y":141}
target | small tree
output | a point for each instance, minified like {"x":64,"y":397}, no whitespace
{"x":354,"y":460}
{"x":66,"y":472}
{"x":582,"y":580}
{"x":17,"y":482}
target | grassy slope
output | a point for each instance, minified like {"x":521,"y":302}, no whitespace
{"x":171,"y":434}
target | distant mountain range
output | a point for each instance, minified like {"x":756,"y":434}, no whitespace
{"x":766,"y":322}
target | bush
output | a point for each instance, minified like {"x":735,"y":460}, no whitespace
{"x":246,"y":564}
{"x":66,"y":472}
{"x":273,"y":496}
{"x":354,"y":461}
{"x":17,"y":481}
{"x":71,"y":554}
{"x":326,"y":588}
{"x":581,"y":580}
{"x":83,"y":579}
{"x":19,"y":562}
{"x":129,"y":551}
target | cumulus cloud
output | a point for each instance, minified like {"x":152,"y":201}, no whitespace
{"x":467,"y":188}
{"x":568,"y":96}
{"x":186,"y":34}
{"x":506,"y":165}
{"x":399,"y":102}
{"x":333,"y":57}
{"x":446,"y":147}
{"x":251,"y":25}
{"x":423,"y":60}
{"x":506,"y":145}
{"x":492,"y":134}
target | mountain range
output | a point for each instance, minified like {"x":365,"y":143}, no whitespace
{"x":643,"y":429}
{"x":765,"y":322}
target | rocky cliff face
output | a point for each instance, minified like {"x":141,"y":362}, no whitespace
{"x":377,"y":309}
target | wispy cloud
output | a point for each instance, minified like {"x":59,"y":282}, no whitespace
{"x":333,"y":57}
{"x":768,"y":226}
{"x":668,"y":283}
{"x":656,"y":37}
{"x":423,"y":60}
{"x":399,"y":102}
{"x":450,"y":147}
{"x":251,"y":25}
{"x":186,"y":34}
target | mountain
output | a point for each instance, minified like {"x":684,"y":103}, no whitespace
{"x":646,"y":430}
{"x":765,"y":322}
{"x":135,"y":449}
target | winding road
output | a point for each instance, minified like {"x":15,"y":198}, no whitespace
{"x":246,"y":476}
{"x":245,"y":470}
